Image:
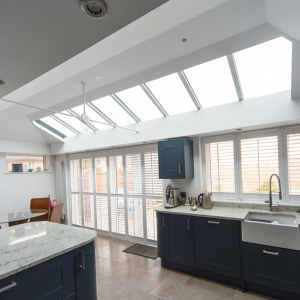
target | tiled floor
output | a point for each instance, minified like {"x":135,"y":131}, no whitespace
{"x":124,"y":276}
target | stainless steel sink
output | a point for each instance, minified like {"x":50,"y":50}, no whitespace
{"x":271,"y":230}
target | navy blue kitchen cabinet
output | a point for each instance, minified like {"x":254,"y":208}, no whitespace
{"x":181,"y":235}
{"x":53,"y":279}
{"x":272,"y":267}
{"x":176,"y":159}
{"x":85,"y":268}
{"x":163,"y":247}
{"x":217,"y":246}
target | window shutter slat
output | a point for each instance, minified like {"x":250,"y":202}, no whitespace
{"x":219,"y":159}
{"x":102,"y":213}
{"x":87,"y":175}
{"x":293,"y":154}
{"x":134,"y":174}
{"x":88,"y":210}
{"x":117,"y":215}
{"x":101,"y":175}
{"x":116,"y":174}
{"x":151,"y":218}
{"x":75,"y":176}
{"x":76,"y":210}
{"x":135,"y":217}
{"x":259,"y":159}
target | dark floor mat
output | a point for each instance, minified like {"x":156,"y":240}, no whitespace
{"x":142,"y":250}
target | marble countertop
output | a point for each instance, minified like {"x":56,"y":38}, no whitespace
{"x":27,"y":245}
{"x":231,"y":211}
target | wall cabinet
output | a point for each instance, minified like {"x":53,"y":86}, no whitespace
{"x":217,"y":246}
{"x":181,"y":236}
{"x":57,"y":279}
{"x":176,"y":159}
{"x":272,"y":267}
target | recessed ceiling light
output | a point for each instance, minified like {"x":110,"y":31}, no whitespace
{"x":2,"y":82}
{"x":184,"y":40}
{"x":96,"y":9}
{"x":98,"y":77}
{"x":239,"y":129}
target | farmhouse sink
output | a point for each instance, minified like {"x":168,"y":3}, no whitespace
{"x":271,"y":230}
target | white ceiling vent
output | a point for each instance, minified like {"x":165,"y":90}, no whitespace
{"x":96,"y":9}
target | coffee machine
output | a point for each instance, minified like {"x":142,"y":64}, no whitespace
{"x":172,"y":196}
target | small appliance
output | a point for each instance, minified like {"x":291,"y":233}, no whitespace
{"x":17,"y":167}
{"x":172,"y":196}
{"x":205,"y":200}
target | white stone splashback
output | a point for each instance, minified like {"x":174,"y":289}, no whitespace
{"x":27,"y":245}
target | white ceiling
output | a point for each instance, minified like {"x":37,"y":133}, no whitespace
{"x":149,"y":42}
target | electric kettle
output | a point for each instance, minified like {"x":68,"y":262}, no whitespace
{"x":205,"y":200}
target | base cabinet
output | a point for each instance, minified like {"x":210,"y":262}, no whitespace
{"x":272,"y":267}
{"x":163,"y":245}
{"x":57,"y":279}
{"x":217,"y":246}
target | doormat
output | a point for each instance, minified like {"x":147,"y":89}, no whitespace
{"x":142,"y":250}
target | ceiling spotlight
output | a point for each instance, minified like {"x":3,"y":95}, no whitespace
{"x":239,"y":129}
{"x":184,"y":40}
{"x":98,"y":77}
{"x":96,"y":9}
{"x":2,"y":82}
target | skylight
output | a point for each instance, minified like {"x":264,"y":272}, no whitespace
{"x":59,"y":127}
{"x":171,"y":94}
{"x":75,"y":123}
{"x":212,"y":82}
{"x":140,"y":104}
{"x":266,"y":68}
{"x":113,"y":110}
{"x":93,"y":115}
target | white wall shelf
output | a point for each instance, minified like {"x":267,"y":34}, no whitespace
{"x":23,"y":173}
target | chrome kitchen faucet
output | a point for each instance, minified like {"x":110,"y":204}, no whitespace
{"x":272,"y":207}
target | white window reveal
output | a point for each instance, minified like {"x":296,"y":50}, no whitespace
{"x":293,"y":155}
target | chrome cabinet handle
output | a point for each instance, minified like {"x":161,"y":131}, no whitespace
{"x":164,"y":223}
{"x":188,"y":224}
{"x":179,"y":167}
{"x":214,"y":222}
{"x":11,"y":285}
{"x":83,"y":261}
{"x":270,"y":253}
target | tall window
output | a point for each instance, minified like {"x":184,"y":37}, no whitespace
{"x":219,"y":159}
{"x":293,"y":154}
{"x":259,"y":159}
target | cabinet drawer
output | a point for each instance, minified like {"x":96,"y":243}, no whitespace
{"x":53,"y":279}
{"x":273,"y":267}
{"x":217,"y":246}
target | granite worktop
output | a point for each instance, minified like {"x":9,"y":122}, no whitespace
{"x":27,"y":245}
{"x":232,"y":211}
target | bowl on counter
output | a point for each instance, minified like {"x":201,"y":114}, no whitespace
{"x":30,"y":170}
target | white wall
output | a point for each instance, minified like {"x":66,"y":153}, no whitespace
{"x":16,"y":190}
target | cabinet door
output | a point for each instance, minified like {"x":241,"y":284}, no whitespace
{"x":181,"y":236}
{"x":171,"y":159}
{"x":163,"y":246}
{"x":217,"y":246}
{"x":85,"y":268}
{"x":273,"y":267}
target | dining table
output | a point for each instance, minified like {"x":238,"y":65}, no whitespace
{"x":15,"y":217}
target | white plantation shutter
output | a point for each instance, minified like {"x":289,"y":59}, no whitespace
{"x":153,"y":184}
{"x":102,"y":213}
{"x":134,"y":173}
{"x":75,"y":175}
{"x":88,"y":211}
{"x":259,"y":159}
{"x":76,"y":210}
{"x":151,"y":218}
{"x":135,"y":217}
{"x":117,"y":215}
{"x":101,"y":175}
{"x":293,"y":154}
{"x":87,"y":175}
{"x":116,"y":174}
{"x":219,"y":159}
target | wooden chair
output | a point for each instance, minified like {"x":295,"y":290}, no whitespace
{"x":56,"y":213}
{"x":40,"y":203}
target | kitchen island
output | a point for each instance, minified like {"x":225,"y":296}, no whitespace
{"x":44,"y":260}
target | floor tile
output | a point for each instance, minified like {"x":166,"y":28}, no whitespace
{"x":134,"y":294}
{"x":239,"y":295}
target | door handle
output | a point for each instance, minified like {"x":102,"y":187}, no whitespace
{"x":164,"y":223}
{"x":188,"y":224}
{"x":83,"y":261}
{"x":11,"y":285}
{"x":214,"y":222}
{"x":270,"y":253}
{"x":179,"y":169}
